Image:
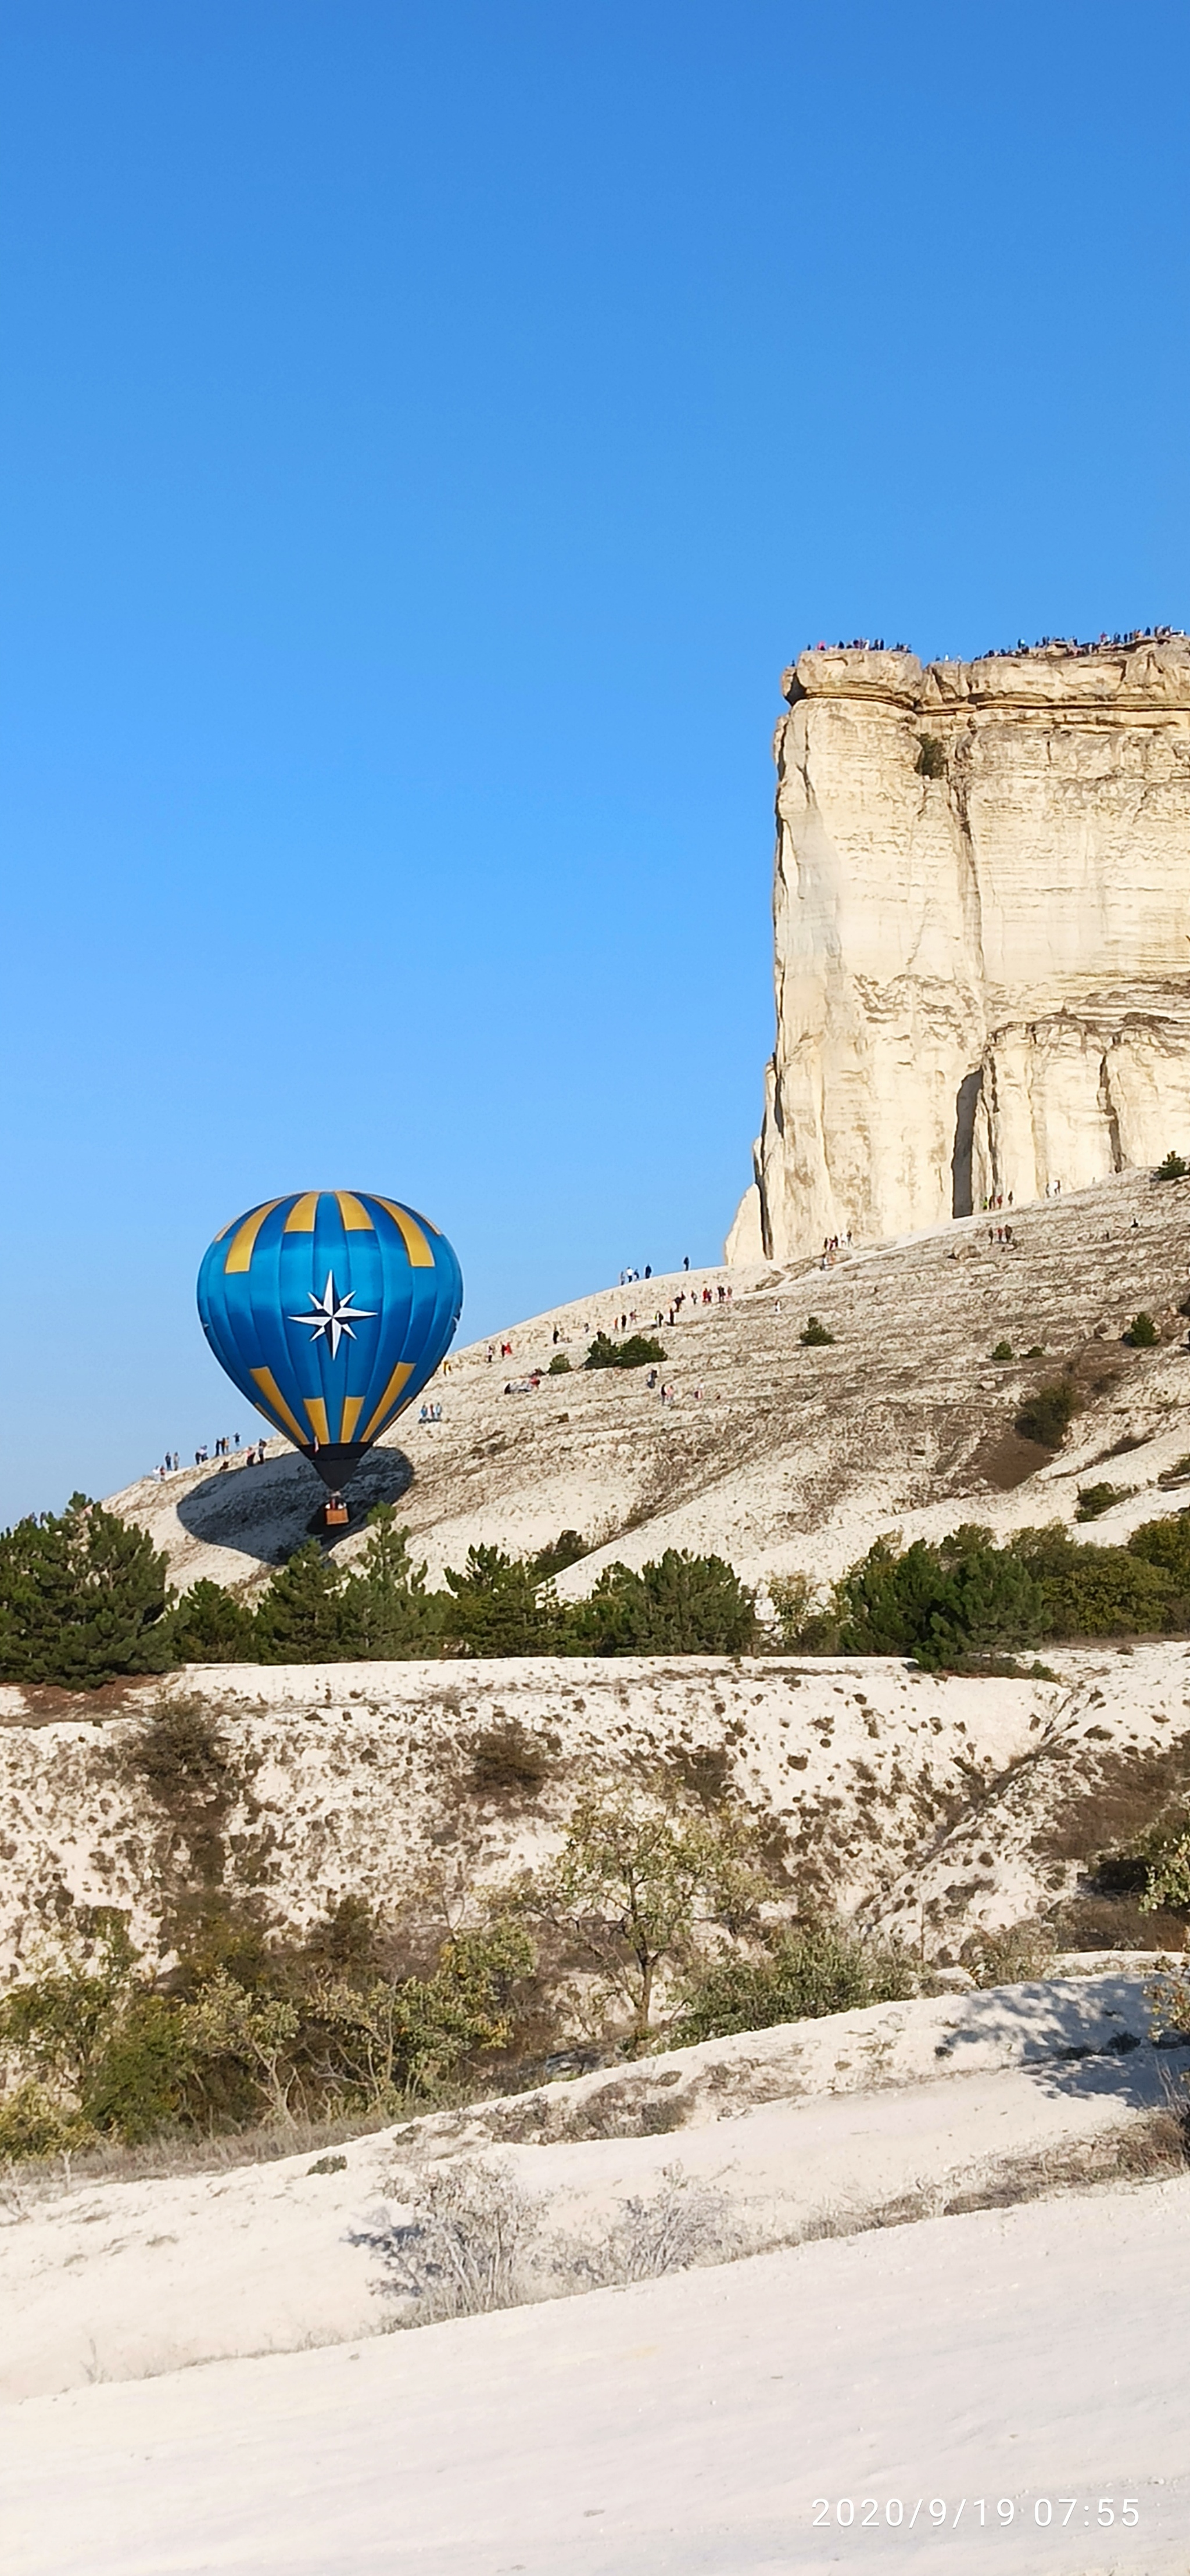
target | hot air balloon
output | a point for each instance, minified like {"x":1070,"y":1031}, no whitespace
{"x":329,"y":1310}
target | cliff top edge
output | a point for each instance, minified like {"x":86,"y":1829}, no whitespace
{"x":1146,"y":672}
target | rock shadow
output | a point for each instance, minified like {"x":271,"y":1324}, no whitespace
{"x":1087,"y":2039}
{"x":270,"y":1510}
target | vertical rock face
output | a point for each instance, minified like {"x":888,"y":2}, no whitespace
{"x":982,"y":920}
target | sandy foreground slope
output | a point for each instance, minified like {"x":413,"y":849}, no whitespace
{"x":816,"y":2123}
{"x":164,"y":2410}
{"x":713,"y":2423}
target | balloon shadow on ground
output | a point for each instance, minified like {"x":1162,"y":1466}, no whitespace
{"x":270,"y":1510}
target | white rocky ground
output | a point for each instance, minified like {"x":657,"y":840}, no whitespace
{"x":1016,"y":2353}
{"x":814,"y":2126}
{"x":937,"y":1807}
{"x":779,"y":1458}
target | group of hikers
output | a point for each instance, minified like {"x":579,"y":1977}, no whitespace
{"x":225,"y":1448}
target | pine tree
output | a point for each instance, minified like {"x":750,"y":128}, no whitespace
{"x":679,"y":1605}
{"x":300,"y":1618}
{"x":213,"y":1627}
{"x":83,"y":1598}
{"x":500,"y":1607}
{"x":386,"y":1604}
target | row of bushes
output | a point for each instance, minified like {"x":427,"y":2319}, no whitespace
{"x":315,"y":1610}
{"x":964,"y":1599}
{"x":84,"y":1598}
{"x":655,"y":1903}
{"x":246,"y":2030}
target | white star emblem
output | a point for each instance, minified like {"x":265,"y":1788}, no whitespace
{"x":333,"y":1315}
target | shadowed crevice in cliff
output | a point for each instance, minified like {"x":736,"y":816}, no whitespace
{"x":966,"y":1104}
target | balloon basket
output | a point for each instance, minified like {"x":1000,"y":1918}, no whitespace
{"x":335,"y":1514}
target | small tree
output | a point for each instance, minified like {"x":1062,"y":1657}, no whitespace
{"x":212,"y":1627}
{"x":638,"y":1884}
{"x":386,"y":1609}
{"x":299,"y":1618}
{"x":635,"y":1353}
{"x":83,"y":1597}
{"x":1172,"y":1169}
{"x":805,"y":1972}
{"x":942,"y":1602}
{"x":816,"y":1335}
{"x":678,"y":1605}
{"x":499,"y":1607}
{"x":1142,"y":1333}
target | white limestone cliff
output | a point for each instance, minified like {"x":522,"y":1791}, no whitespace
{"x":982,"y":936}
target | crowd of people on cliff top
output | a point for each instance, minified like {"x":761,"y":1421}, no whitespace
{"x":1012,"y":652}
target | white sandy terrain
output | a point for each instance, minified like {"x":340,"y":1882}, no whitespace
{"x":816,"y":2124}
{"x":713,"y":2423}
{"x":937,"y":1806}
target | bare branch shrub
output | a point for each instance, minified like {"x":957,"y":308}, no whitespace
{"x":465,"y":2249}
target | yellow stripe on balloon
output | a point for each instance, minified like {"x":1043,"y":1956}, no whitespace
{"x":244,"y":1241}
{"x":274,"y":1399}
{"x":402,"y":1371}
{"x":300,"y":1219}
{"x":353,"y":1406}
{"x":420,"y":1255}
{"x":316,"y":1409}
{"x":356,"y":1219}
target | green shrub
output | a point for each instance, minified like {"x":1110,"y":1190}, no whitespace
{"x":32,"y":2123}
{"x":804,"y":1974}
{"x":963,"y":1600}
{"x":1094,"y":1499}
{"x":679,"y":1605}
{"x":815,"y":1336}
{"x":143,"y":2081}
{"x":559,"y":1365}
{"x":299,"y":1617}
{"x":566,"y":1549}
{"x":1169,"y":1877}
{"x":498,"y":1606}
{"x":212,"y":1627}
{"x":385,"y":1609}
{"x":83,"y":1597}
{"x":1046,"y":1416}
{"x":1036,"y":1351}
{"x":1142,"y":1333}
{"x":1003,"y":1351}
{"x":791,"y":1596}
{"x":103,"y":2052}
{"x":944,"y":1602}
{"x":635,"y":1353}
{"x":1172,"y":1169}
{"x":1090,"y":1591}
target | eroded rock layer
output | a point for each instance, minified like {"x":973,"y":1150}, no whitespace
{"x":982,"y":927}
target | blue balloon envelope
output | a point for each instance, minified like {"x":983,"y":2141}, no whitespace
{"x":329,"y":1310}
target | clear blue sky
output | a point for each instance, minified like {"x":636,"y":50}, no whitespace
{"x":425,"y":435}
